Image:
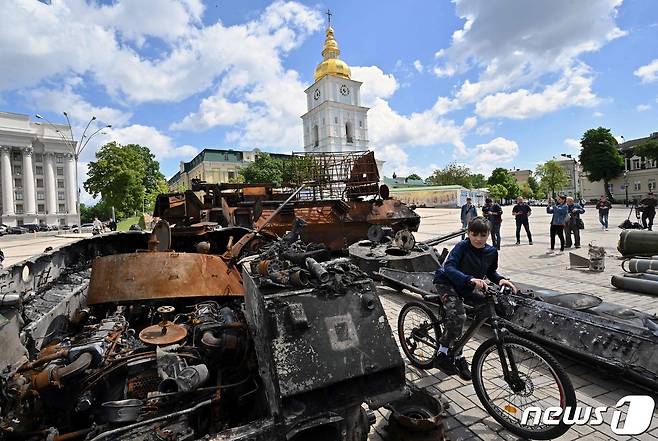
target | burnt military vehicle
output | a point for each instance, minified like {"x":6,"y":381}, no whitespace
{"x":131,"y":336}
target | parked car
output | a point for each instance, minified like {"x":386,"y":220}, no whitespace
{"x":32,"y":228}
{"x":17,"y":230}
{"x":3,"y":229}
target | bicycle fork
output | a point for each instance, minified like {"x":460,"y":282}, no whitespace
{"x":507,"y":361}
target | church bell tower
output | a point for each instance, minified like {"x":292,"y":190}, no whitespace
{"x":335,"y":120}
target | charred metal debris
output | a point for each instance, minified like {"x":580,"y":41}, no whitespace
{"x":172,"y":336}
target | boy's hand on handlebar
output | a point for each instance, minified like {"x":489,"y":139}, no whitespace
{"x":479,"y":284}
{"x":505,"y":282}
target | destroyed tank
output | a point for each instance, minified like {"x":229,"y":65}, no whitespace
{"x":136,"y":336}
{"x":341,"y":199}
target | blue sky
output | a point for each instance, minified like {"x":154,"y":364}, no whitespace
{"x":507,"y":83}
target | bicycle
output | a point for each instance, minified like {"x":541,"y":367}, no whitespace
{"x":510,"y":373}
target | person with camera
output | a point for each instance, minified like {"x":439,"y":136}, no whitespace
{"x":648,"y":207}
{"x":574,"y":223}
{"x":559,"y":211}
{"x":604,"y":206}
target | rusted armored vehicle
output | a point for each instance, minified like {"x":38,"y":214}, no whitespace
{"x":136,"y":336}
{"x":340,"y":201}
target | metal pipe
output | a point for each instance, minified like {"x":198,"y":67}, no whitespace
{"x":437,"y":240}
{"x":642,"y":265}
{"x":187,"y":380}
{"x":635,"y":283}
{"x":152,"y":420}
{"x":278,"y":210}
{"x":317,"y":270}
{"x":51,"y":376}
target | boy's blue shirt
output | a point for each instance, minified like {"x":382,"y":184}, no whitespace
{"x":466,"y":262}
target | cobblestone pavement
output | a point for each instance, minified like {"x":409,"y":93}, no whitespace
{"x":529,"y":264}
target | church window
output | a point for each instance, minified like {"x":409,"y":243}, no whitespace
{"x":322,"y":121}
{"x":348,"y":132}
{"x":316,"y":136}
{"x":360,"y":123}
{"x":335,"y":120}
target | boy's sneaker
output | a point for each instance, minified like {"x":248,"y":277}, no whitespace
{"x":518,"y":243}
{"x":445,"y":363}
{"x":530,"y":243}
{"x":606,"y":229}
{"x":463,"y":368}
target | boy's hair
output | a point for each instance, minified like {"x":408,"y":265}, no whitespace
{"x":487,"y":200}
{"x":479,"y":225}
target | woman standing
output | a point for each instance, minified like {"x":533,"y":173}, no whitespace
{"x":559,"y":212}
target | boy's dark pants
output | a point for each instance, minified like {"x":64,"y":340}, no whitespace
{"x":523,"y":222}
{"x":495,"y":235}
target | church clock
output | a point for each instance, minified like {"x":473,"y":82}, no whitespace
{"x":344,"y":90}
{"x":316,"y":94}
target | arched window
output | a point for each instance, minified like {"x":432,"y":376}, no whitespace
{"x":316,"y":136}
{"x":349,"y":132}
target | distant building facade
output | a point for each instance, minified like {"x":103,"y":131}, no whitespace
{"x":640,"y":174}
{"x":439,"y":196}
{"x":574,"y":174}
{"x":215,"y":166}
{"x":521,"y":176}
{"x":37,"y":173}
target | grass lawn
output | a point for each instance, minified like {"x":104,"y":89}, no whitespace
{"x":125,"y":224}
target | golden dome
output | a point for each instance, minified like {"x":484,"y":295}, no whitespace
{"x":331,"y":65}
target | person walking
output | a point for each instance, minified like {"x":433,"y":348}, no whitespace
{"x":469,"y":212}
{"x":648,"y":210}
{"x":604,"y":206}
{"x":494,"y":214}
{"x":521,"y":212}
{"x":573,"y":222}
{"x":559,"y":212}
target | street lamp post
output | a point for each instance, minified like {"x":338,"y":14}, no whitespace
{"x":76,"y":148}
{"x":626,"y":187}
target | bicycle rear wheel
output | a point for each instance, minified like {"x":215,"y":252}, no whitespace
{"x":419,"y":331}
{"x":541,"y":382}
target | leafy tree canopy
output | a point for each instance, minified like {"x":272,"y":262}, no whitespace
{"x":497,"y":191}
{"x":127,"y":177}
{"x":478,"y":180}
{"x":526,"y":191}
{"x":534,"y":185}
{"x":502,"y":176}
{"x":648,"y":149}
{"x":101,"y":210}
{"x":552,"y":176}
{"x":600,"y":157}
{"x":452,"y":174}
{"x":264,"y":169}
{"x":414,"y":177}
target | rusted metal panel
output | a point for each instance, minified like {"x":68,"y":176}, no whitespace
{"x":120,"y":278}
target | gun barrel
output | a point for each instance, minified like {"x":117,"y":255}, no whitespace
{"x":437,"y":240}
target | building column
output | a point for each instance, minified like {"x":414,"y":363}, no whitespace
{"x":71,"y":185}
{"x":51,"y":188}
{"x":7,"y":182}
{"x":28,"y":183}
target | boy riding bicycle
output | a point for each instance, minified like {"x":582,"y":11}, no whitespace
{"x":461,"y":278}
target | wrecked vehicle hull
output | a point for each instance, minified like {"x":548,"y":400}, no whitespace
{"x":103,"y":339}
{"x":621,"y":339}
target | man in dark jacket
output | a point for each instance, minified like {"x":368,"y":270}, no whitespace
{"x":573,"y":223}
{"x":468,"y":213}
{"x":648,"y":205}
{"x":604,"y":206}
{"x":494,"y":214}
{"x":469,"y":262}
{"x":521,"y":212}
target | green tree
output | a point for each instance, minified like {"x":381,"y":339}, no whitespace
{"x":526,"y":191}
{"x":600,"y":157}
{"x":264,"y":169}
{"x":497,"y":192}
{"x":126,"y":177}
{"x":502,"y":176}
{"x":414,"y":177}
{"x":452,"y":174}
{"x":552,"y":176}
{"x":478,"y":180}
{"x":534,"y":185}
{"x":101,"y":210}
{"x":648,"y":150}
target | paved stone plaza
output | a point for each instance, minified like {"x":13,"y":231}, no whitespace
{"x":523,"y":263}
{"x":532,"y":265}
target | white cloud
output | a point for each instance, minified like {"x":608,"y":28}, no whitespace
{"x":573,"y":89}
{"x":572,"y":142}
{"x":376,"y":84}
{"x":649,"y":72}
{"x":492,"y":154}
{"x":643,"y":107}
{"x":597,"y":114}
{"x":418,"y":66}
{"x":517,"y":47}
{"x":162,"y":146}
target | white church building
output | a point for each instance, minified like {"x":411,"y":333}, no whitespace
{"x":335,"y":120}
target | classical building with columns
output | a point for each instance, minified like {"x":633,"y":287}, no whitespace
{"x":37,"y":173}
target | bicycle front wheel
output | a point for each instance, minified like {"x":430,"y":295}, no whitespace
{"x":419,"y":333}
{"x":536,"y":380}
